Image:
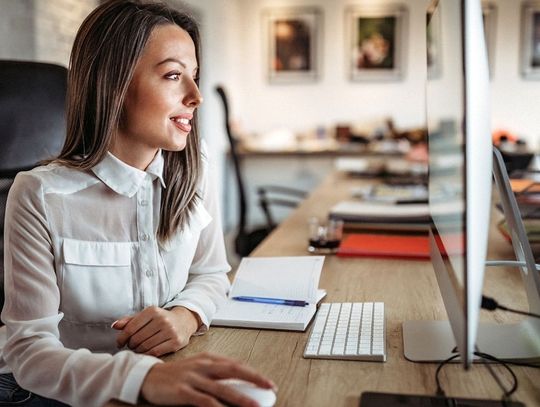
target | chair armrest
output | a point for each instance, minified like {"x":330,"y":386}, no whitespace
{"x":291,"y":198}
{"x":281,"y":190}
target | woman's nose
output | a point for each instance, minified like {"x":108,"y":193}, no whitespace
{"x":193,"y":97}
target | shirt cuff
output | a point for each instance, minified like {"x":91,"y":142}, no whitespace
{"x":202,"y":316}
{"x":132,"y":386}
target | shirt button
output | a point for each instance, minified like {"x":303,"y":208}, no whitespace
{"x":145,"y":237}
{"x":149,"y":273}
{"x":143,"y":202}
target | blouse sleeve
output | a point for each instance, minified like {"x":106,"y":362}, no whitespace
{"x":33,"y":350}
{"x":207,"y":283}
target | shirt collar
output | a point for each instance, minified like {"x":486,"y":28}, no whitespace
{"x":155,"y":169}
{"x":125,"y":179}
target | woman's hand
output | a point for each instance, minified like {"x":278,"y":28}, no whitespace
{"x":193,"y":381}
{"x":156,"y":331}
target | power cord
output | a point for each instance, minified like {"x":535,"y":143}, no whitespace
{"x":508,"y":263}
{"x":491,"y":304}
{"x":440,"y":392}
{"x":506,"y":397}
{"x":513,"y":363}
{"x":506,"y":393}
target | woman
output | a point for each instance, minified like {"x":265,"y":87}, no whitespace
{"x":117,"y":243}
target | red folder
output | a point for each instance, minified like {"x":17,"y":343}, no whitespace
{"x":383,"y":245}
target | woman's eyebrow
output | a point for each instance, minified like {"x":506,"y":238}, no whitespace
{"x":172,"y":60}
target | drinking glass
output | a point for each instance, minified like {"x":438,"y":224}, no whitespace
{"x":324,"y":238}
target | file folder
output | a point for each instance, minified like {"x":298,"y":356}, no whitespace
{"x":413,"y":247}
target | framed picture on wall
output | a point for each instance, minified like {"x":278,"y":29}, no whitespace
{"x":376,"y":42}
{"x":433,"y":45}
{"x":530,"y":40}
{"x":489,"y":15}
{"x":292,"y":43}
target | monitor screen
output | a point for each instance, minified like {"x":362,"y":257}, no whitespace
{"x":459,"y":141}
{"x":445,"y":123}
{"x":445,"y":108}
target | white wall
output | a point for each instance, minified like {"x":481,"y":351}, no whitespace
{"x":41,"y":30}
{"x":515,"y":101}
{"x":17,"y":29}
{"x":333,"y":98}
{"x":260,"y":106}
{"x":219,"y":22}
{"x":57,"y":23}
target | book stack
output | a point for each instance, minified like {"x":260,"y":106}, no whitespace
{"x":527,"y":192}
{"x":381,"y":216}
{"x":396,"y":207}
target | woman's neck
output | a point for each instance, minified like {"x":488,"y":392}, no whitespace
{"x":134,"y":155}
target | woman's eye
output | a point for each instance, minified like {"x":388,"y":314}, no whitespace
{"x":173,"y":76}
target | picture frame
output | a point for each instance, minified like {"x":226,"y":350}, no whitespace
{"x":433,"y":45}
{"x":293,"y":36}
{"x":489,"y":16}
{"x":530,"y":40}
{"x":376,"y":42}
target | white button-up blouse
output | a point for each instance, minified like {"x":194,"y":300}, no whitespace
{"x":81,"y":252}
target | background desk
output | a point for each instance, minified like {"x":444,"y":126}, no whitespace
{"x":300,"y":168}
{"x":409,"y":290}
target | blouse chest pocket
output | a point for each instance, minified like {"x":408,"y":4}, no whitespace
{"x":97,"y":283}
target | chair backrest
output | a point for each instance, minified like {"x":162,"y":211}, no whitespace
{"x":243,"y":209}
{"x":32,"y":113}
{"x":32,"y":124}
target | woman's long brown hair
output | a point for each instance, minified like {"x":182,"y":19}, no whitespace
{"x":106,"y":50}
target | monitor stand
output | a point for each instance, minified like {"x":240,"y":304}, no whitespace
{"x":433,"y":341}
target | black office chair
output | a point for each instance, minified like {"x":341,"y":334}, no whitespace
{"x":247,"y":239}
{"x":32,"y":124}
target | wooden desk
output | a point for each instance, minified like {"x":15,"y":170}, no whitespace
{"x":300,"y":167}
{"x":323,"y":150}
{"x":409,"y":290}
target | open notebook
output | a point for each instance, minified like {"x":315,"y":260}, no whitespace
{"x":284,"y":278}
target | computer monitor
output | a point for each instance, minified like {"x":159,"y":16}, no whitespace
{"x":460,"y":171}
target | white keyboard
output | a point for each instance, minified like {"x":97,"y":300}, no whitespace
{"x":348,"y":330}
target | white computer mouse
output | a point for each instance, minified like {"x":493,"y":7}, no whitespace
{"x":265,"y":397}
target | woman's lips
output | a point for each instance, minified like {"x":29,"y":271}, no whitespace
{"x":182,"y":123}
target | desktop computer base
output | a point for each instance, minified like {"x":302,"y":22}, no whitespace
{"x":433,"y":341}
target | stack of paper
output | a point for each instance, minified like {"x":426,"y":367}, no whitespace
{"x":355,"y":211}
{"x":392,"y":214}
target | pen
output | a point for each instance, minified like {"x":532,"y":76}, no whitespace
{"x":277,"y":301}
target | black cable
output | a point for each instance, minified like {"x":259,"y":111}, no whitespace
{"x":506,"y":397}
{"x":440,"y":391}
{"x":490,"y":304}
{"x":507,"y":393}
{"x":508,"y":362}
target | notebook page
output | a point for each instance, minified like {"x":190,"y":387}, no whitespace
{"x":288,"y":278}
{"x":263,"y":315}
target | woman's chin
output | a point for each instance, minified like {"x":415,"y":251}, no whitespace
{"x":177,"y":144}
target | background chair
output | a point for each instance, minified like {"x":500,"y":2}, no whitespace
{"x":32,"y":124}
{"x":247,"y":239}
